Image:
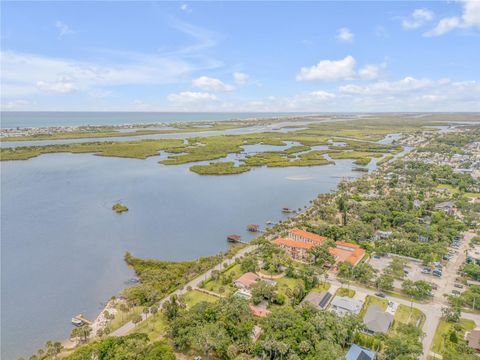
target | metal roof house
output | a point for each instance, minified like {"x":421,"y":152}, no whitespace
{"x":359,"y":353}
{"x":343,"y":305}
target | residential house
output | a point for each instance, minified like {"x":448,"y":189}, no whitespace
{"x":473,"y":339}
{"x":343,"y":305}
{"x":246,"y":280}
{"x":319,"y":300}
{"x":359,"y":353}
{"x":376,"y":320}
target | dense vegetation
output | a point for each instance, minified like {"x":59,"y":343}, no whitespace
{"x":135,"y":346}
{"x":159,"y":278}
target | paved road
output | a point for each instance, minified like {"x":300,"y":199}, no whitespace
{"x":433,"y":309}
{"x":123,"y":330}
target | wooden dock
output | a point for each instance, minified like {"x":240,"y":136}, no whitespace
{"x":81,"y":318}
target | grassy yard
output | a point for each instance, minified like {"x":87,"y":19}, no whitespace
{"x":194,"y":297}
{"x":407,"y":315}
{"x":322,"y":287}
{"x":122,"y":318}
{"x":371,"y":300}
{"x":287,"y":283}
{"x":155,"y":327}
{"x":345,"y":292}
{"x":443,"y":328}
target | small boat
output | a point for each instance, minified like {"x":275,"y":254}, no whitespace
{"x":252,"y":227}
{"x":287,"y":210}
{"x":269,"y":222}
{"x":233,"y":237}
{"x":77,"y":322}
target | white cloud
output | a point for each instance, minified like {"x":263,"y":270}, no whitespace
{"x":310,"y":99}
{"x":186,"y":97}
{"x":445,"y":25}
{"x":418,"y":18}
{"x":24,"y":74}
{"x":369,"y":71}
{"x":383,"y":87}
{"x":61,"y":87}
{"x":186,"y":8}
{"x":329,"y":70}
{"x":211,"y":84}
{"x":470,"y":19}
{"x":240,"y":78}
{"x":63,"y":29}
{"x":345,"y":35}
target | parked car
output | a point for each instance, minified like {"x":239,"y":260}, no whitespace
{"x":382,"y":295}
{"x":456,"y":292}
{"x":437,"y":273}
{"x":426,"y":270}
{"x":405,"y":272}
{"x":376,"y":256}
{"x":459,"y":286}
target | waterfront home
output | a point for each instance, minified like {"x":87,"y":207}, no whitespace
{"x":376,"y":320}
{"x":343,"y":305}
{"x":298,"y":242}
{"x":246,"y":280}
{"x":357,"y":352}
{"x":473,"y":339}
{"x":319,"y":300}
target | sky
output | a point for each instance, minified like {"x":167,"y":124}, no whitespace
{"x":240,"y":56}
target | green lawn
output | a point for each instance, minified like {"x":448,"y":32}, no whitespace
{"x":194,"y":297}
{"x":122,"y":318}
{"x":370,"y":300}
{"x":443,"y":328}
{"x":345,"y":292}
{"x":323,"y":286}
{"x":407,"y":315}
{"x":155,"y":327}
{"x":217,"y":286}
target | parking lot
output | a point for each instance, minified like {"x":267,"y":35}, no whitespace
{"x":413,"y":270}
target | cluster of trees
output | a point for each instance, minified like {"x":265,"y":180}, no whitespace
{"x":419,"y":289}
{"x":469,"y":298}
{"x":363,"y":273}
{"x":472,"y":270}
{"x":158,"y":278}
{"x":306,"y":333}
{"x":224,"y":328}
{"x":135,"y":346}
{"x":264,"y":291}
{"x":455,"y":347}
{"x":49,"y":351}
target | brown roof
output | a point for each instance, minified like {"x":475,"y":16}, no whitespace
{"x":247,"y":279}
{"x":292,"y":243}
{"x":311,"y":236}
{"x":473,"y":338}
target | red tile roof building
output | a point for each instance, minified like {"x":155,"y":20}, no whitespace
{"x":299,"y":241}
{"x":246,"y":280}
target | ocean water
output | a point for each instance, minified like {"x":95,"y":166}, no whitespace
{"x":13,"y":119}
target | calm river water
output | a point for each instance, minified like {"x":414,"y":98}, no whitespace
{"x":63,"y":246}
